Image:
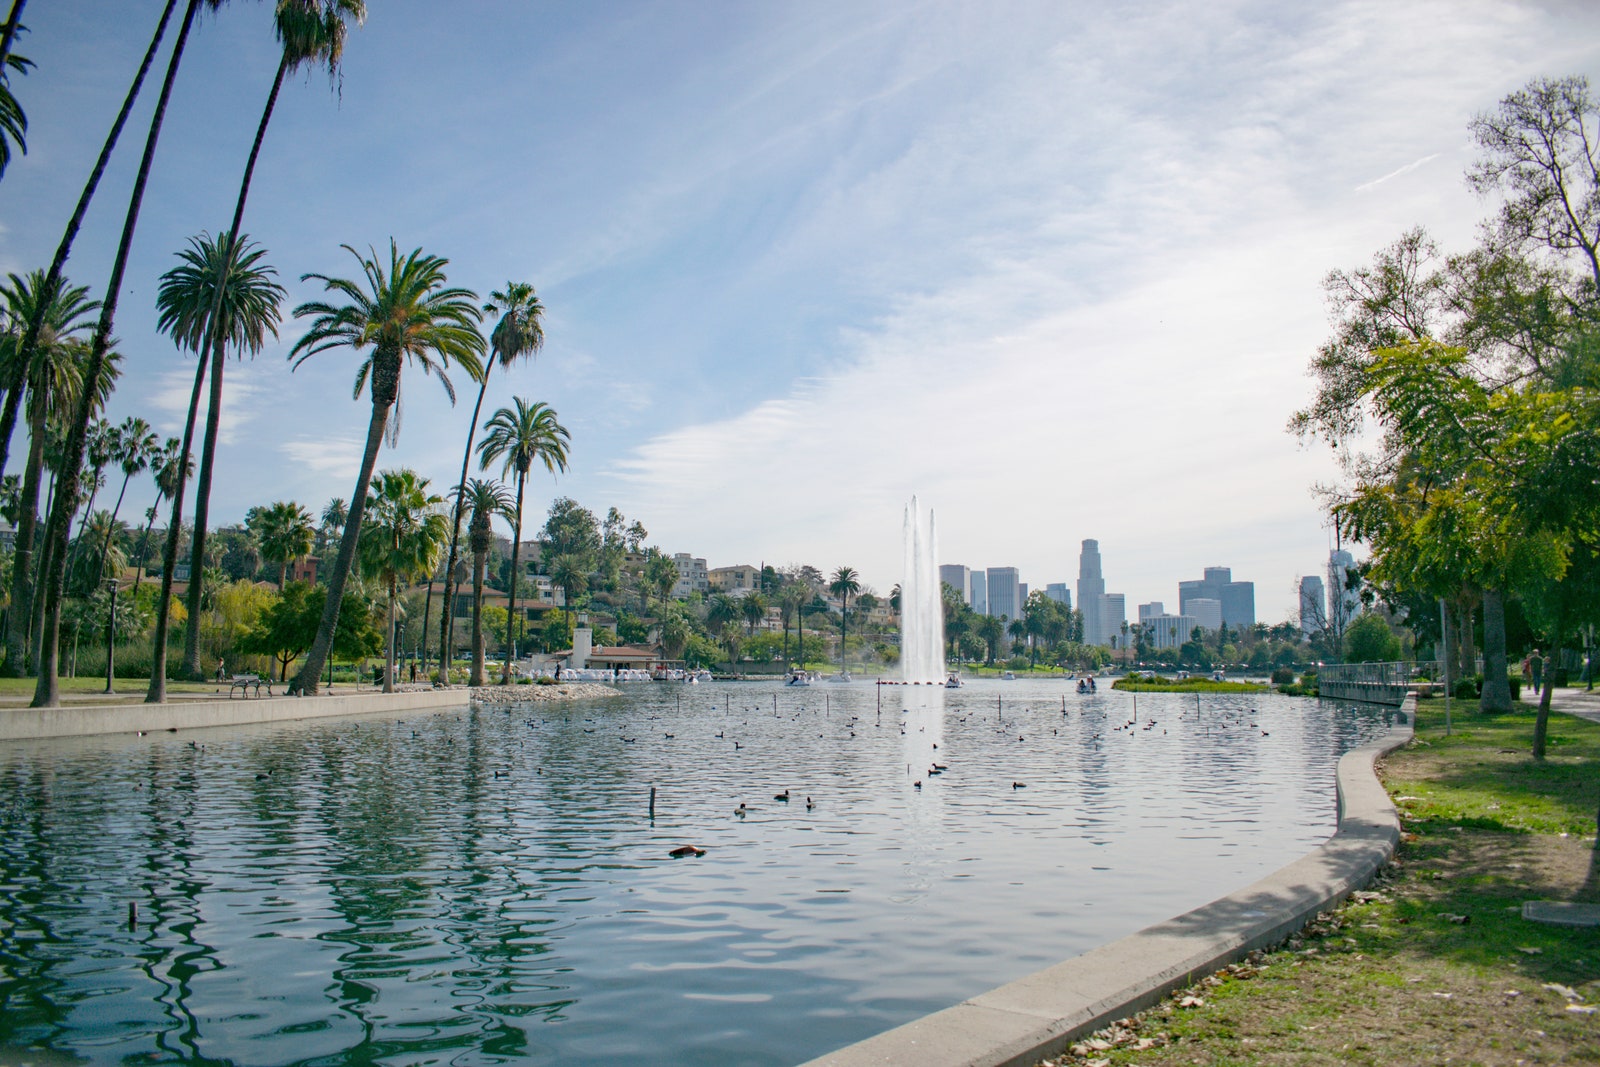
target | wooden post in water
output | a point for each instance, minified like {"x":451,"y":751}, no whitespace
{"x":652,"y":803}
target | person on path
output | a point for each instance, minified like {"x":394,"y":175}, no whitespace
{"x":1536,"y":665}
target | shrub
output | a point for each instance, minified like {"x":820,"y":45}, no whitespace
{"x":1466,"y":689}
{"x":544,"y":679}
{"x":524,"y":681}
{"x":1282,"y":675}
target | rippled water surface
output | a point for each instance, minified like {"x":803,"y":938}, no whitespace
{"x":485,"y":885}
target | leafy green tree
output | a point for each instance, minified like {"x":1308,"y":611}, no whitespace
{"x":1369,"y":639}
{"x":288,"y":627}
{"x":403,"y":313}
{"x":522,"y":435}
{"x":660,"y":574}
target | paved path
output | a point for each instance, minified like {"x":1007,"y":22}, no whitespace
{"x":1584,"y":703}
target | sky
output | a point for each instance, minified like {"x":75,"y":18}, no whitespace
{"x":1054,"y":267}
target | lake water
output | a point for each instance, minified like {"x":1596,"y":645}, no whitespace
{"x":485,"y":885}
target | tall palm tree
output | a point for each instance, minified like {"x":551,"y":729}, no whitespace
{"x":47,"y":692}
{"x":46,"y":374}
{"x":310,"y":32}
{"x":790,"y":599}
{"x":405,"y":532}
{"x":522,"y":435}
{"x":249,"y":312}
{"x":334,"y":516}
{"x":136,"y":446}
{"x":99,"y":448}
{"x":518,"y":333}
{"x":404,"y":313}
{"x":846,"y":583}
{"x":754,"y":608}
{"x":484,"y":501}
{"x":285,"y":533}
{"x":164,"y":464}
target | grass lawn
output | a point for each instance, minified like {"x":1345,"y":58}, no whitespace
{"x":1186,"y":685}
{"x":1434,"y":963}
{"x":17,"y":692}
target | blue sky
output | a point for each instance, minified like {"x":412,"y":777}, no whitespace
{"x":1054,"y":267}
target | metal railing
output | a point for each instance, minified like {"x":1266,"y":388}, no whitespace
{"x":1374,"y":683}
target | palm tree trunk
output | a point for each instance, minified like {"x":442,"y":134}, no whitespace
{"x":52,"y":282}
{"x":157,"y":693}
{"x":202,"y":502}
{"x":427,"y":614}
{"x":477,"y":618}
{"x":47,"y":693}
{"x":20,"y":636}
{"x":99,"y":571}
{"x":144,"y":543}
{"x":447,"y":617}
{"x":516,"y":549}
{"x":306,"y":680}
{"x":388,"y":642}
{"x":208,"y":449}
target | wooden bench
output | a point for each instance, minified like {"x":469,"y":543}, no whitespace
{"x":244,"y":683}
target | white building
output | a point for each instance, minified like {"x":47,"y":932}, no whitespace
{"x":692,"y":575}
{"x":1151,"y":610}
{"x":1113,"y":614}
{"x":1170,"y":631}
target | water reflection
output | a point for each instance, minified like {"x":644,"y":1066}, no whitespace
{"x":486,"y":885}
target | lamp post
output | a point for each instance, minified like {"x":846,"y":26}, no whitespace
{"x":111,"y":636}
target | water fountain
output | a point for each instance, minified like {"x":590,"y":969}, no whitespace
{"x":921,"y":606}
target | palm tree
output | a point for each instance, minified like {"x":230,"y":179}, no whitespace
{"x":846,"y":583}
{"x":99,"y":449}
{"x":790,"y":599}
{"x":521,"y":435}
{"x":721,"y":616}
{"x":48,"y":374}
{"x":404,"y":313}
{"x":404,"y":534}
{"x":284,"y":530}
{"x":333,"y":520}
{"x":754,"y":609}
{"x":310,"y":31}
{"x":13,"y":121}
{"x":47,"y":692}
{"x":207,"y":317}
{"x":518,"y":333}
{"x":164,"y":463}
{"x":483,"y":501}
{"x":136,"y":445}
{"x":570,"y":572}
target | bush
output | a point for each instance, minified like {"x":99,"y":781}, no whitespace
{"x":524,"y":681}
{"x":544,"y":679}
{"x":1282,"y":676}
{"x":1466,"y":689}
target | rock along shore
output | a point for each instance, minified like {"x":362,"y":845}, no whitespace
{"x":532,"y":694}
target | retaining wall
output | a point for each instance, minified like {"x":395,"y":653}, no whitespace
{"x":79,"y":721}
{"x":1024,"y":1021}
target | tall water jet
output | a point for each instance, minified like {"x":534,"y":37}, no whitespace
{"x":921,"y":606}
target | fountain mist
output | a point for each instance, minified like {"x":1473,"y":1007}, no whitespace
{"x":921,"y":607}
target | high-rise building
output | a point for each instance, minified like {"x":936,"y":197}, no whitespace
{"x":1091,"y":587}
{"x":979,"y":584}
{"x":1004,"y":592}
{"x":1022,"y":593}
{"x":1207,"y":613}
{"x":1344,"y":603}
{"x":1313,"y":605}
{"x":1113,"y":614}
{"x":1059,"y":592}
{"x":1151,"y":610}
{"x":1170,"y":631}
{"x":1238,"y":599}
{"x":958,"y":578}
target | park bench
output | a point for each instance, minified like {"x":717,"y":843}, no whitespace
{"x":244,"y":683}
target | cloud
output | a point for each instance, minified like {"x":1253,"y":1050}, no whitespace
{"x":245,"y":391}
{"x":336,"y":458}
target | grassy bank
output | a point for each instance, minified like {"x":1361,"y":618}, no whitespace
{"x":1434,"y":963}
{"x":1159,"y":684}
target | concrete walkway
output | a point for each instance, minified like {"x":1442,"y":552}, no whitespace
{"x":1027,"y":1020}
{"x":1584,"y":703}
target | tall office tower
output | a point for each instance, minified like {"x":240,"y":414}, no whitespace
{"x":1059,"y":592}
{"x":1238,"y":599}
{"x":1022,"y":594}
{"x":1344,"y":603}
{"x":1091,"y":587}
{"x":978,"y":581}
{"x":1005,"y":593}
{"x":1151,"y":610}
{"x":1113,"y":613}
{"x":958,"y":578}
{"x":1313,"y":605}
{"x":1207,"y":613}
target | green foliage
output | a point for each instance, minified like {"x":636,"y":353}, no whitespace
{"x":1369,"y":639}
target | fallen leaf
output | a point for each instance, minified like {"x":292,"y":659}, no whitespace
{"x":1582,"y":1009}
{"x":1444,"y":996}
{"x":1191,"y":1002}
{"x":1531,"y":951}
{"x":1564,"y":990}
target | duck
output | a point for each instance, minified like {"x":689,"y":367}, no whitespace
{"x":784,"y":796}
{"x":809,"y":804}
{"x":1019,"y":785}
{"x":684,"y":851}
{"x":740,"y":811}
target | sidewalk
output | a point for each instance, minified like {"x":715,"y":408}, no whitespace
{"x":1576,"y":700}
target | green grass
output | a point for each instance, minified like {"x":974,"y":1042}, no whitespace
{"x":1186,"y":685}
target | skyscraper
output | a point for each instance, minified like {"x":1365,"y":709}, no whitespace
{"x":1091,"y":587}
{"x":980,"y":592}
{"x":1059,"y":592}
{"x":1313,"y":605}
{"x":1344,"y":603}
{"x":958,"y":578}
{"x":1005,"y":593}
{"x":1238,"y":599}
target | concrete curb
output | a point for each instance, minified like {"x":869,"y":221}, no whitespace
{"x":1037,"y":1016}
{"x":22,"y":724}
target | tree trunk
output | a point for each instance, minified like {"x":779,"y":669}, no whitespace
{"x":382,"y":399}
{"x":1496,"y":695}
{"x":20,"y":638}
{"x":388,"y":642}
{"x":447,"y":619}
{"x":52,"y":282}
{"x":427,"y":612}
{"x":144,"y":544}
{"x":9,"y":33}
{"x":202,"y":508}
{"x":477,"y":617}
{"x":511,"y":603}
{"x":157,"y":692}
{"x":1541,"y":723}
{"x":47,"y":692}
{"x":105,"y":549}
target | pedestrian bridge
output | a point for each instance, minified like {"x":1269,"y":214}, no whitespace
{"x":1374,"y":683}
